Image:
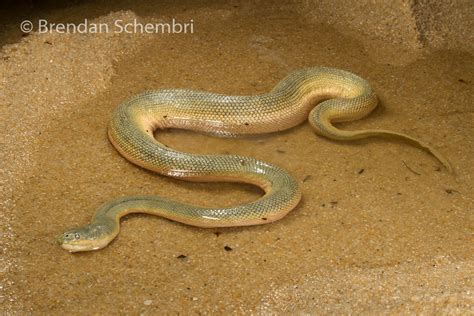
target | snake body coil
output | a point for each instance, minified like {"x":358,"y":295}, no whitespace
{"x":345,"y":97}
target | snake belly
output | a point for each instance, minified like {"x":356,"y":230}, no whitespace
{"x":338,"y":94}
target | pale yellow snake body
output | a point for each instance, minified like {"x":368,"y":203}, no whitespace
{"x":295,"y":99}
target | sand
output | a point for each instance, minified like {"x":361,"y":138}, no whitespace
{"x":381,"y":228}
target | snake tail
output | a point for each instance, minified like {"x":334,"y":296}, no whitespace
{"x":322,"y":116}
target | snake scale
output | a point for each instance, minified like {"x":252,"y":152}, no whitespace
{"x":321,"y":95}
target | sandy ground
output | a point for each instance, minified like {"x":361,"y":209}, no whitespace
{"x":381,"y":229}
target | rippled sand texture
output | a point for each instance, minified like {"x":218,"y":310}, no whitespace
{"x":380,"y":229}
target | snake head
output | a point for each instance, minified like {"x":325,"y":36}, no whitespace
{"x":86,"y":238}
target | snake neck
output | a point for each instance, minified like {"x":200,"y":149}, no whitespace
{"x":109,"y":214}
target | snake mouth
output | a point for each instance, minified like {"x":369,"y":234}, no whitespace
{"x":81,"y":245}
{"x":75,"y":248}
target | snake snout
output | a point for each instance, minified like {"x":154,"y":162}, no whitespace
{"x":86,"y":238}
{"x":73,"y":240}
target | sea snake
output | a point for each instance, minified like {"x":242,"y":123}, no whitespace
{"x":321,"y":95}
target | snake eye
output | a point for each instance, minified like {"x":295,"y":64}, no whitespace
{"x":77,"y":236}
